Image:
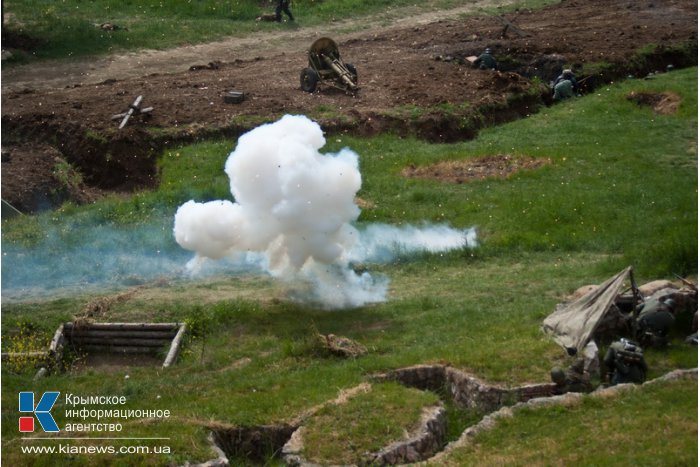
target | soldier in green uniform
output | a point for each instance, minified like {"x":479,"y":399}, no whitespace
{"x":583,"y":375}
{"x":571,"y":380}
{"x":563,"y":90}
{"x":654,"y":322}
{"x":625,"y":363}
{"x":486,"y":61}
{"x":565,"y":85}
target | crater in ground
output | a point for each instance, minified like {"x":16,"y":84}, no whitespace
{"x":664,"y":103}
{"x":463,"y":171}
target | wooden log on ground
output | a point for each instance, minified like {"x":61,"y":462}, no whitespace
{"x":41,"y":373}
{"x":125,"y":341}
{"x":57,"y":340}
{"x":10,"y":208}
{"x":123,"y":326}
{"x":56,"y":347}
{"x":119,"y":349}
{"x":137,"y":334}
{"x":508,"y":25}
{"x":175,"y":346}
{"x":126,"y":338}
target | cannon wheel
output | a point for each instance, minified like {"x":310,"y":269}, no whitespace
{"x":309,"y":79}
{"x":353,"y":71}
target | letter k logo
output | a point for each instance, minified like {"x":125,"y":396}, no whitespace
{"x":42,"y":411}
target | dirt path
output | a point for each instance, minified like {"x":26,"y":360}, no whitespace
{"x":60,"y":74}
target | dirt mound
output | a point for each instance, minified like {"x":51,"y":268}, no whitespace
{"x":501,"y":166}
{"x":341,"y":346}
{"x":408,"y":86}
{"x":36,"y":177}
{"x":664,"y":103}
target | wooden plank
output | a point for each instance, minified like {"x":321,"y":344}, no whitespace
{"x":124,"y":341}
{"x":115,"y":333}
{"x":56,"y":347}
{"x":120,"y":349}
{"x":12,"y":209}
{"x":125,"y":326}
{"x":175,"y":346}
{"x":57,"y":341}
{"x":509,"y":25}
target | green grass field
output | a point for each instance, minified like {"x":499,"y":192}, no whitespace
{"x":621,"y":189}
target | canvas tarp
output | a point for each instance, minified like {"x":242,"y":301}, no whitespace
{"x":572,"y":325}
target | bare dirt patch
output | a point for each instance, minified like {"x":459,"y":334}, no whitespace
{"x":401,"y":68}
{"x":114,"y":363}
{"x":464,"y":171}
{"x":37,"y":177}
{"x":664,"y":103}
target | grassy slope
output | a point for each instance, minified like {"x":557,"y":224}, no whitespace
{"x":653,"y":426}
{"x":336,"y":435}
{"x":621,"y":189}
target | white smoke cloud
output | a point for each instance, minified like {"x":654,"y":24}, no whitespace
{"x":380,"y":243}
{"x":295,"y":207}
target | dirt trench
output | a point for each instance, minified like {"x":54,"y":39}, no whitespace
{"x":260,"y":444}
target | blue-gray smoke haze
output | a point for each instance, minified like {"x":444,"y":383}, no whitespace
{"x":293,"y":218}
{"x":100,"y":257}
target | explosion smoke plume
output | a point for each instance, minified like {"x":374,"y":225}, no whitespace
{"x":296,"y":207}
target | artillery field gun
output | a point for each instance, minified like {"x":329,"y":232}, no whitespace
{"x":325,"y":65}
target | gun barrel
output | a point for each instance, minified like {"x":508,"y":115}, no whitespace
{"x":341,"y":70}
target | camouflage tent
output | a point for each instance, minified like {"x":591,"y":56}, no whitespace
{"x":573,"y":324}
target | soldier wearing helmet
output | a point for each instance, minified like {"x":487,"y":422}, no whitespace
{"x":655,"y":320}
{"x":625,"y":363}
{"x":582,"y":375}
{"x":565,"y":85}
{"x":486,"y":60}
{"x":571,"y":380}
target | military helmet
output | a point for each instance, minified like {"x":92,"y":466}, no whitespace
{"x":629,"y":345}
{"x":558,"y":375}
{"x":567,"y":73}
